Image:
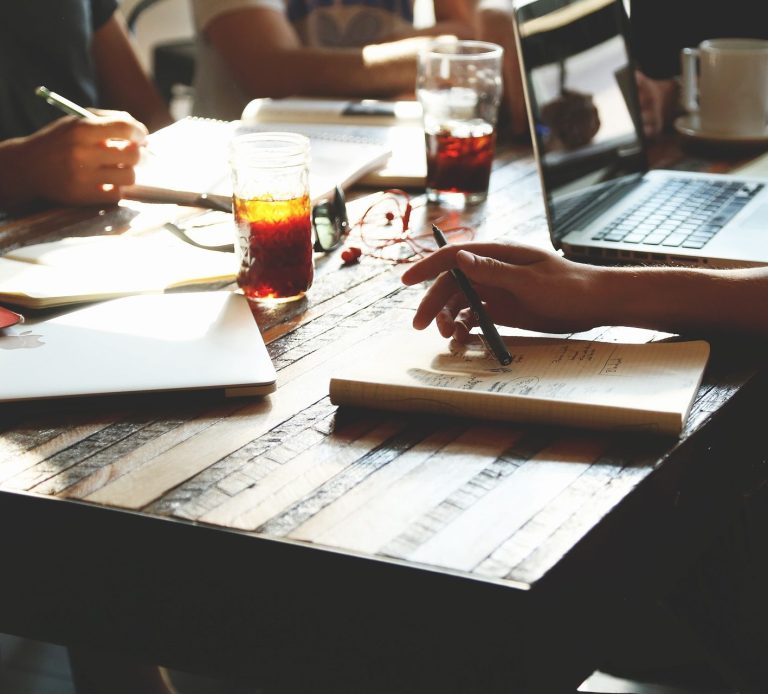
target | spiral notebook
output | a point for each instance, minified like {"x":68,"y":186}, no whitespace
{"x":189,"y":163}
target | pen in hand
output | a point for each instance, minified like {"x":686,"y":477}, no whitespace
{"x":63,"y":104}
{"x":492,"y":338}
{"x":69,"y":107}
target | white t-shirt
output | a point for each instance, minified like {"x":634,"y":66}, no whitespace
{"x":319,"y":23}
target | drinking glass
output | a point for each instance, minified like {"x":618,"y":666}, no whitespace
{"x":459,"y":86}
{"x":270,"y":186}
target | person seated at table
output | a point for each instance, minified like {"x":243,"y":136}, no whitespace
{"x":537,"y":289}
{"x":275,"y":48}
{"x":79,"y":49}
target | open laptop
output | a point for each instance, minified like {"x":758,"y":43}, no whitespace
{"x":602,"y":202}
{"x":138,"y":344}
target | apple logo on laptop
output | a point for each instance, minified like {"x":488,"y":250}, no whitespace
{"x":25,"y":340}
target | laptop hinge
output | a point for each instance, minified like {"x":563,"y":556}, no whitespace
{"x":603,"y":200}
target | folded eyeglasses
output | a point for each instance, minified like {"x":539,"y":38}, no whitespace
{"x":330,"y":224}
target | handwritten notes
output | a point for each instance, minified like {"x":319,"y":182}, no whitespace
{"x":573,"y":382}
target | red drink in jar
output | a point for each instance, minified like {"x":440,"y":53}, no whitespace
{"x":459,"y":164}
{"x":275,"y":247}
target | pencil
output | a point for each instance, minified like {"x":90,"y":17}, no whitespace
{"x":491,"y":336}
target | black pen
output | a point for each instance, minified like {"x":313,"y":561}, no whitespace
{"x":492,"y":339}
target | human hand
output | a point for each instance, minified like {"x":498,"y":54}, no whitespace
{"x":657,"y":102}
{"x":78,"y":161}
{"x":521,"y":286}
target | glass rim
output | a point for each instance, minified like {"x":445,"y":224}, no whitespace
{"x":449,"y":49}
{"x":277,"y":150}
{"x":735,"y":44}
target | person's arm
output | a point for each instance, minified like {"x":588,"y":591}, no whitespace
{"x":266,"y":57}
{"x":122,"y":82}
{"x":73,"y":161}
{"x":659,"y":102}
{"x":540,"y":290}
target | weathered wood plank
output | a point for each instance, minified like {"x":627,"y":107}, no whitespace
{"x":546,"y":555}
{"x":482,"y":526}
{"x":137,"y":451}
{"x":555,"y":514}
{"x":16,"y":457}
{"x":302,"y":475}
{"x":249,"y":464}
{"x":374,"y":485}
{"x":425,"y":476}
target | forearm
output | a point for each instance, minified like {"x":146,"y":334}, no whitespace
{"x":684,"y":300}
{"x":375,"y":71}
{"x":123,"y":84}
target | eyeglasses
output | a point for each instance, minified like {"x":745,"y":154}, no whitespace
{"x":330,"y":222}
{"x":329,"y":225}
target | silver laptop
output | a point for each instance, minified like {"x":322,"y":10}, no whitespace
{"x":602,"y":202}
{"x":138,"y":344}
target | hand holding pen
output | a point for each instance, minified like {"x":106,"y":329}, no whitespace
{"x":85,"y":160}
{"x":491,"y":337}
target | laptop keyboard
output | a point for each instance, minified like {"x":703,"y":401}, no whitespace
{"x":681,"y":212}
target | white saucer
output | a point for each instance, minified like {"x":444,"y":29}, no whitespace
{"x":689,"y":126}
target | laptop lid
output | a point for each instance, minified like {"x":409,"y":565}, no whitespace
{"x":138,"y":344}
{"x":582,"y":105}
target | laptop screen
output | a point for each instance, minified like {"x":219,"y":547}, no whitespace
{"x":582,"y":102}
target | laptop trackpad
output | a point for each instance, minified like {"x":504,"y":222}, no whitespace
{"x":758,"y":218}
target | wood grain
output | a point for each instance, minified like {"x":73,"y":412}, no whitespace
{"x":496,"y":501}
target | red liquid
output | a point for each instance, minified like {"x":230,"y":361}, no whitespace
{"x":275,"y":248}
{"x":459,"y":164}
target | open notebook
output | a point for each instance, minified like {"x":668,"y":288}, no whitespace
{"x":190,"y":158}
{"x":138,"y":344}
{"x":582,"y":383}
{"x":94,"y":268}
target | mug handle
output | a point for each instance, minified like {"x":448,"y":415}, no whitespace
{"x":690,"y":80}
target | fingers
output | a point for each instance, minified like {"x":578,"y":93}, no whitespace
{"x":120,"y":154}
{"x":446,"y":319}
{"x":463,"y":324}
{"x":443,"y":300}
{"x":486,"y":271}
{"x":445,"y":258}
{"x":112,"y":128}
{"x":435,"y":300}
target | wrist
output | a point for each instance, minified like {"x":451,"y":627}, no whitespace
{"x":667,"y":299}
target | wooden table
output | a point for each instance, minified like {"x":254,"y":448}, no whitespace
{"x":325,"y":550}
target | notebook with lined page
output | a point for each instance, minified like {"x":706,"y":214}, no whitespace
{"x":579,"y":383}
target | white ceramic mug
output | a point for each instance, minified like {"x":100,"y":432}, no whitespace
{"x":725,"y":81}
